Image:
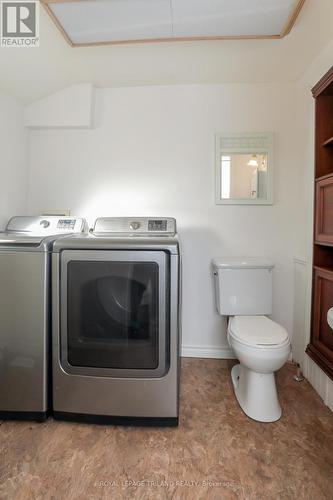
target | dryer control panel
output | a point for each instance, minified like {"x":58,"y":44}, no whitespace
{"x":141,"y":226}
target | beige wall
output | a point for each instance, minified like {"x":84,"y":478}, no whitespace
{"x":13,"y":162}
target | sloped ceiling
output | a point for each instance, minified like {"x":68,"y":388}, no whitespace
{"x":29,"y":74}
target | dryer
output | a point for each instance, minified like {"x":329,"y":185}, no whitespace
{"x":116,"y":323}
{"x":25,"y":323}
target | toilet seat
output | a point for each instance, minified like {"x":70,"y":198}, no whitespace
{"x":257,"y":331}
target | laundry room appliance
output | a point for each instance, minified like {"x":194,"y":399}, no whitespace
{"x":25,"y":325}
{"x":116,"y":323}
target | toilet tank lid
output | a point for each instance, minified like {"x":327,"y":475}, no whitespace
{"x":242,"y":263}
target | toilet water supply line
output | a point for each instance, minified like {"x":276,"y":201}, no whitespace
{"x":299,"y":375}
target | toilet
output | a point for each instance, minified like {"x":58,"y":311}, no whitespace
{"x":243,"y":291}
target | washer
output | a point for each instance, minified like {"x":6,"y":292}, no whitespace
{"x":25,"y":325}
{"x":116,"y":323}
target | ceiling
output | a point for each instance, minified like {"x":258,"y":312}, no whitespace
{"x":31,"y":73}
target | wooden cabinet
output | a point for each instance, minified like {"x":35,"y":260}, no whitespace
{"x":320,"y":348}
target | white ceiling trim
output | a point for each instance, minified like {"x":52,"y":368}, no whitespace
{"x":170,"y":20}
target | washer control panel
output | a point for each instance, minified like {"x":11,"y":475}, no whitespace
{"x":46,"y":225}
{"x":141,"y":226}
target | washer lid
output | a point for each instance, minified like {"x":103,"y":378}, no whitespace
{"x":257,"y":330}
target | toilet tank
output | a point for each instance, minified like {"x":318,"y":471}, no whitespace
{"x":243,"y":286}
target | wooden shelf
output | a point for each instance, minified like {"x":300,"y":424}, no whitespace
{"x":329,"y":142}
{"x":320,"y":348}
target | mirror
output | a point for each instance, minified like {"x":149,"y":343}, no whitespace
{"x":244,"y":176}
{"x":244,"y":169}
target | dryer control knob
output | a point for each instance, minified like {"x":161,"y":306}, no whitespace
{"x":135,"y":225}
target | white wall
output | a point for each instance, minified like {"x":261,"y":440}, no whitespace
{"x":75,"y":102}
{"x":152,"y":153}
{"x":13,"y":162}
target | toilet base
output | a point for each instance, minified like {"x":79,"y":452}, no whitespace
{"x":256,"y":394}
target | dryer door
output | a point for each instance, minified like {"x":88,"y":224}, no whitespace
{"x":115,"y":313}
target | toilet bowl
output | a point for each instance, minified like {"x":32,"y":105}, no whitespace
{"x":262,"y":347}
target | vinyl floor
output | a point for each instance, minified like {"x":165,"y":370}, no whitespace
{"x":215,"y":453}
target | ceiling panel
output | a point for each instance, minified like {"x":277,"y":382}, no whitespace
{"x":229,"y":17}
{"x":85,"y":22}
{"x":107,"y":20}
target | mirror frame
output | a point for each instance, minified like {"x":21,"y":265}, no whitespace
{"x":267,"y":139}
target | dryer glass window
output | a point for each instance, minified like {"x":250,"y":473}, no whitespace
{"x":113,"y":314}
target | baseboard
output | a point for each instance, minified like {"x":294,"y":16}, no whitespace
{"x":207,"y":352}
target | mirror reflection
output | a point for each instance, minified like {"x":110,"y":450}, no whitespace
{"x":244,"y":176}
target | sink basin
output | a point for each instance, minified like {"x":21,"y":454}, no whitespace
{"x":330,"y":317}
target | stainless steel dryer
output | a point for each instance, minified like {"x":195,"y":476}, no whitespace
{"x":25,"y":326}
{"x":116,"y":323}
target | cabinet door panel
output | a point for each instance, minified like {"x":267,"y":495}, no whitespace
{"x":323,"y":301}
{"x":324,"y":211}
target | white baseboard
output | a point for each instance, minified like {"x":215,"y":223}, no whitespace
{"x":207,"y":352}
